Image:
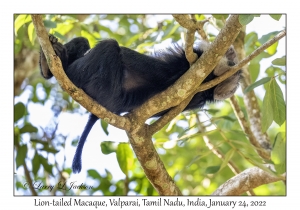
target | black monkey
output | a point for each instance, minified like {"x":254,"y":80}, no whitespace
{"x":121,"y":79}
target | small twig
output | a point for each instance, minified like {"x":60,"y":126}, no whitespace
{"x":29,"y":180}
{"x":211,"y":147}
{"x":166,"y":118}
{"x":217,"y":152}
{"x":185,"y":21}
{"x":200,"y":30}
{"x":27,"y":173}
{"x":189,"y":49}
{"x":244,"y":124}
{"x":192,"y":25}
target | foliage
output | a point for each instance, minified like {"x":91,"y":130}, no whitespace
{"x":182,"y":144}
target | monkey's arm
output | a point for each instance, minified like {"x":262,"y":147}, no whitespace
{"x":67,"y":53}
{"x":60,"y":51}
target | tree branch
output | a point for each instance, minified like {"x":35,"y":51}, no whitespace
{"x":247,"y":180}
{"x":189,"y":36}
{"x":191,"y":24}
{"x":151,"y":163}
{"x":166,"y":118}
{"x":244,"y":124}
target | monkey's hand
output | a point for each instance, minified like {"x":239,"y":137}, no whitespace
{"x":228,"y":87}
{"x":60,"y":51}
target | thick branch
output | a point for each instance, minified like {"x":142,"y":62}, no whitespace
{"x":188,"y":83}
{"x":247,"y":180}
{"x":76,"y":93}
{"x":150,"y":161}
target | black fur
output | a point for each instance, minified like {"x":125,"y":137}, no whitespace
{"x":121,"y":79}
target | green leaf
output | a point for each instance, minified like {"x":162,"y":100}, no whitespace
{"x":278,"y":154}
{"x":221,"y":16}
{"x":31,"y":33}
{"x":278,"y":103}
{"x":133,"y":39}
{"x":38,"y":141}
{"x":275,"y":17}
{"x":108,"y":147}
{"x":250,"y":39}
{"x":104,"y":126}
{"x":245,"y":145}
{"x":125,"y":157}
{"x":169,"y":31}
{"x":195,"y":159}
{"x":49,"y":149}
{"x":272,"y":49}
{"x":16,"y":135}
{"x":161,"y":140}
{"x":256,"y":84}
{"x":19,"y":111}
{"x":35,"y":163}
{"x":212,"y":169}
{"x":92,"y":40}
{"x":28,"y":128}
{"x":49,"y":24}
{"x":268,"y":36}
{"x":254,"y":69}
{"x":273,"y":70}
{"x":279,"y":61}
{"x":21,"y":155}
{"x":267,"y":110}
{"x":94,"y":174}
{"x":62,"y":29}
{"x":213,"y":111}
{"x":46,"y":165}
{"x":282,"y":127}
{"x":20,"y":21}
{"x":273,"y":106}
{"x":75,"y":142}
{"x":227,"y":118}
{"x":245,"y":19}
{"x":20,"y":185}
{"x":67,"y":170}
{"x":60,"y":36}
{"x":228,"y":157}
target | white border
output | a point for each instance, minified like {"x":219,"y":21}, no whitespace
{"x":8,"y":201}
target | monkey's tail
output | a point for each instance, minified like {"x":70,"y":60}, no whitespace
{"x":76,"y":165}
